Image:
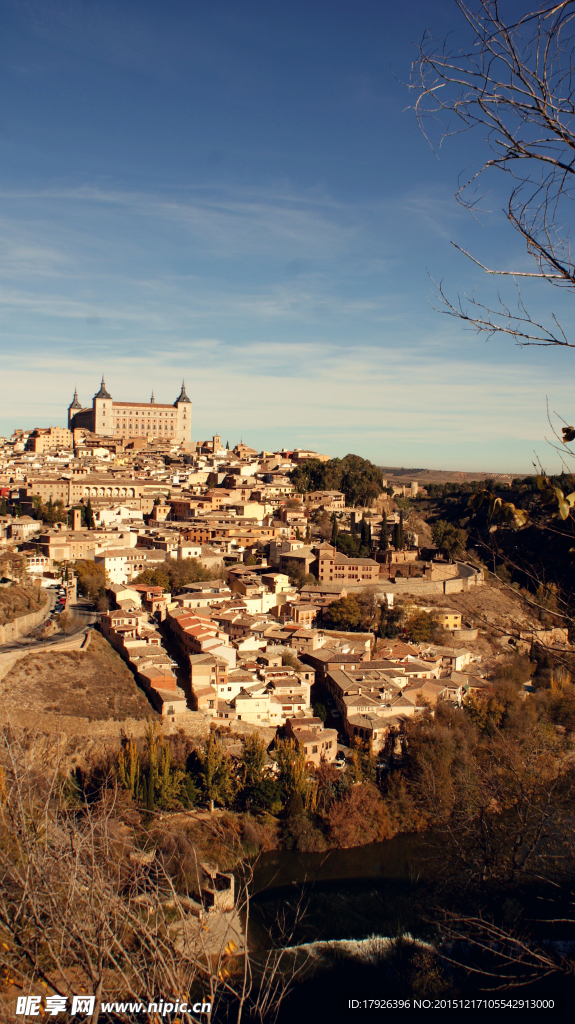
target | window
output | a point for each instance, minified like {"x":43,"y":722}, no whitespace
{"x":314,"y":749}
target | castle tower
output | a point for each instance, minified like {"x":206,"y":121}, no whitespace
{"x":73,"y":408}
{"x":102,"y":411}
{"x":183,"y":408}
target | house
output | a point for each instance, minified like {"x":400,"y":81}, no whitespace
{"x":124,"y":564}
{"x":318,"y":743}
{"x":332,"y":566}
{"x":195,"y":634}
{"x":209,"y":673}
{"x":369,"y":727}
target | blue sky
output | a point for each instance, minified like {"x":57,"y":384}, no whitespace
{"x":237,"y":194}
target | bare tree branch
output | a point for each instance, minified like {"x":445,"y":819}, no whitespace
{"x":515,"y":82}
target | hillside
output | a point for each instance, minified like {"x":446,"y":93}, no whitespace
{"x":401,"y":475}
{"x":16,"y":601}
{"x":93,"y":683}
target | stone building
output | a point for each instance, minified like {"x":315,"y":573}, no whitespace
{"x":133,"y":419}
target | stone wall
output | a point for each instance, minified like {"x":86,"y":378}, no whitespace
{"x":8,"y":660}
{"x":464,"y":634}
{"x":24,"y":624}
{"x":467,"y":579}
{"x":108,"y":731}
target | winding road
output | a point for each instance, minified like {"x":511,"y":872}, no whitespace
{"x":82,"y":615}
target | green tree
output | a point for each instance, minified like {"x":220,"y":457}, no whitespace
{"x":91,"y":578}
{"x":173,"y":575}
{"x":253,"y":760}
{"x":293,"y":771}
{"x":257,"y":788}
{"x":389,"y":621}
{"x":215,"y":774}
{"x":363,"y":761}
{"x":291,"y":659}
{"x":450,"y":540}
{"x":359,"y":479}
{"x":320,"y":711}
{"x":344,"y":614}
{"x":128,"y":768}
{"x":423,"y":628}
{"x":3,"y":507}
{"x":89,"y":515}
{"x":334,"y":529}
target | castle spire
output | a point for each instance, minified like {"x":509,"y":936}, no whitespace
{"x":102,"y":393}
{"x":152,"y":399}
{"x":182,"y":397}
{"x":75,"y":404}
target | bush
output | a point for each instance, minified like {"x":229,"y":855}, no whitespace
{"x":358,"y":818}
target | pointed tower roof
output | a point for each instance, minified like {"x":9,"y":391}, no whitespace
{"x":182,"y":397}
{"x":75,"y":404}
{"x":152,"y":399}
{"x":102,"y":393}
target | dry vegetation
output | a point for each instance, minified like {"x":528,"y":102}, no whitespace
{"x":495,"y":611}
{"x":93,"y":684}
{"x":16,"y":601}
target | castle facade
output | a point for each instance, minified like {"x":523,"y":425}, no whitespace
{"x":133,"y":419}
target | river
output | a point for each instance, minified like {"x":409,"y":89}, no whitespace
{"x":339,"y":894}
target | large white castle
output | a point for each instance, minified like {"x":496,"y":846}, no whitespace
{"x":133,"y":419}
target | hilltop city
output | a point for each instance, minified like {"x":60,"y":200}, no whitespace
{"x":232,"y":587}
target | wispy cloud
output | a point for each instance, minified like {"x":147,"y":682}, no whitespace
{"x":378,"y":406}
{"x":288,"y":314}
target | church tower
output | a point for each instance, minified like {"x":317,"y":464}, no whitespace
{"x":73,"y":408}
{"x":183,"y":408}
{"x":102,"y":411}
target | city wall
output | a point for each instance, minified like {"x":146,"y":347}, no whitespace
{"x":23,"y":625}
{"x":457,"y":578}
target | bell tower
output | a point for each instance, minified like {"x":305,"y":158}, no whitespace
{"x":183,"y":408}
{"x":73,"y":408}
{"x":102,"y":411}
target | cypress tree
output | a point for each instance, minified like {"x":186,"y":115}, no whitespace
{"x":334,"y":529}
{"x":3,"y":508}
{"x":383,"y":541}
{"x":89,"y":515}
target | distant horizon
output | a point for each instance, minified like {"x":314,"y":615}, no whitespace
{"x":385,"y":468}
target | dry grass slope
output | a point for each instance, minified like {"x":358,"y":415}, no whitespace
{"x":17,"y":601}
{"x":93,"y":684}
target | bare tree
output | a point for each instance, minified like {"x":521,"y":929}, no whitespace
{"x":513,"y":80}
{"x":90,"y":904}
